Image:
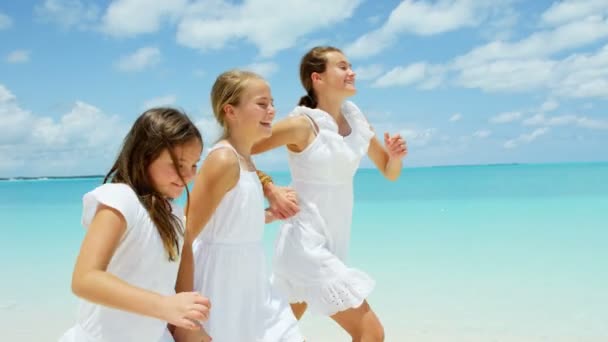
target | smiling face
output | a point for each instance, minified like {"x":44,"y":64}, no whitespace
{"x":338,"y":78}
{"x":253,"y":114}
{"x":164,"y":174}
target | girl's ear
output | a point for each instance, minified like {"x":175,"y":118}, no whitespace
{"x":315,"y":76}
{"x":229,"y":111}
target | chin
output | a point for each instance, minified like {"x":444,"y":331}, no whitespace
{"x":265,"y":132}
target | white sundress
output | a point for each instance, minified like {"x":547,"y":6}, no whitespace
{"x":140,"y":259}
{"x":230,"y":269}
{"x":312,"y":247}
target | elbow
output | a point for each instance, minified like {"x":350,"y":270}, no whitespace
{"x":78,"y":286}
{"x":392,"y":178}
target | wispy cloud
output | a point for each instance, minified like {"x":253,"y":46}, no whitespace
{"x":5,"y":21}
{"x":456,"y":117}
{"x":128,"y":18}
{"x":69,"y":13}
{"x":506,"y":117}
{"x":265,"y":69}
{"x":18,"y":56}
{"x":214,"y":24}
{"x":369,"y":72}
{"x":566,"y":120}
{"x":167,"y":100}
{"x":50,"y":145}
{"x":424,"y":75}
{"x":569,"y":10}
{"x":482,"y":134}
{"x":423,"y":18}
{"x":141,"y":59}
{"x":526,"y":138}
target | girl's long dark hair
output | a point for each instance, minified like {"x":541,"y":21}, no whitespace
{"x":154,"y":131}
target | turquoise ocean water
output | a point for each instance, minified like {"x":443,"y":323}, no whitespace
{"x":470,"y":253}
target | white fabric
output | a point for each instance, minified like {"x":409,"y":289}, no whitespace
{"x":230,"y":269}
{"x":140,"y":259}
{"x":312,"y":247}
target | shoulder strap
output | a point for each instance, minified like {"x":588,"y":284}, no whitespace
{"x":228,"y":146}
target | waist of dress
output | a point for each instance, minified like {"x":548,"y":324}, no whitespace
{"x":322,"y":182}
{"x":230,"y":243}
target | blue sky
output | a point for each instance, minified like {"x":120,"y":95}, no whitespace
{"x":465,"y":81}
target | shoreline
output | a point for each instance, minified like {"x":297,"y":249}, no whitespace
{"x":30,"y":178}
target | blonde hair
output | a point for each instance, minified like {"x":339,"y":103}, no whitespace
{"x":228,"y":89}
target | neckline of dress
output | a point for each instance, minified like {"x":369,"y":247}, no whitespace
{"x":333,"y":120}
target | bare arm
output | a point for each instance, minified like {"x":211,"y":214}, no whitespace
{"x":295,"y":132}
{"x":92,"y":282}
{"x":218,"y":174}
{"x":388,"y":160}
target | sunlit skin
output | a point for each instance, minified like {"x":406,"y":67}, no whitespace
{"x":164,"y":174}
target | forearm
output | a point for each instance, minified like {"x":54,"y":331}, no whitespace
{"x":106,"y":289}
{"x":185,"y":276}
{"x":392,"y":169}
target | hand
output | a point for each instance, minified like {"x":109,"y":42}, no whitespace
{"x":183,"y":335}
{"x":396,"y":146}
{"x":185,"y":309}
{"x":283,"y":201}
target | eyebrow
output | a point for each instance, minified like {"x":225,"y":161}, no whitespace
{"x":265,"y":98}
{"x":344,"y":62}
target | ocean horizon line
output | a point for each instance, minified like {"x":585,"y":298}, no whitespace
{"x":47,"y":177}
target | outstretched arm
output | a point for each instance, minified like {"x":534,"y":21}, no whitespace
{"x":388,"y":158}
{"x":295,"y":132}
{"x":283,"y":200}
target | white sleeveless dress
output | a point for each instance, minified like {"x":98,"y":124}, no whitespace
{"x":230,"y":269}
{"x":312,"y":247}
{"x":140,"y":259}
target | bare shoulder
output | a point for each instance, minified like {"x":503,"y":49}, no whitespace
{"x":221,"y":165}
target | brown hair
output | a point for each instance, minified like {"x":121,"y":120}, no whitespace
{"x":154,"y":131}
{"x":313,"y":61}
{"x":228,"y":89}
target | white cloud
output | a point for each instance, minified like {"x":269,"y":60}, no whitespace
{"x":264,"y":69}
{"x":82,"y":140}
{"x":167,"y":100}
{"x":456,"y":117}
{"x":15,"y":120}
{"x":568,"y":10}
{"x":127,"y":18}
{"x":210,"y":130}
{"x":566,"y":120}
{"x":418,"y":137}
{"x":422,"y":18}
{"x":539,"y":44}
{"x":506,"y":117}
{"x":526,"y":138}
{"x":68,"y":13}
{"x":199,"y":73}
{"x":141,"y":59}
{"x":18,"y":56}
{"x":482,"y":134}
{"x":583,"y":75}
{"x":507,"y":75}
{"x":427,"y":76}
{"x":549,"y":105}
{"x":270,"y":25}
{"x":369,"y":72}
{"x":5,"y":21}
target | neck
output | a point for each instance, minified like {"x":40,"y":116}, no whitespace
{"x":331,"y":105}
{"x":241,"y":144}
